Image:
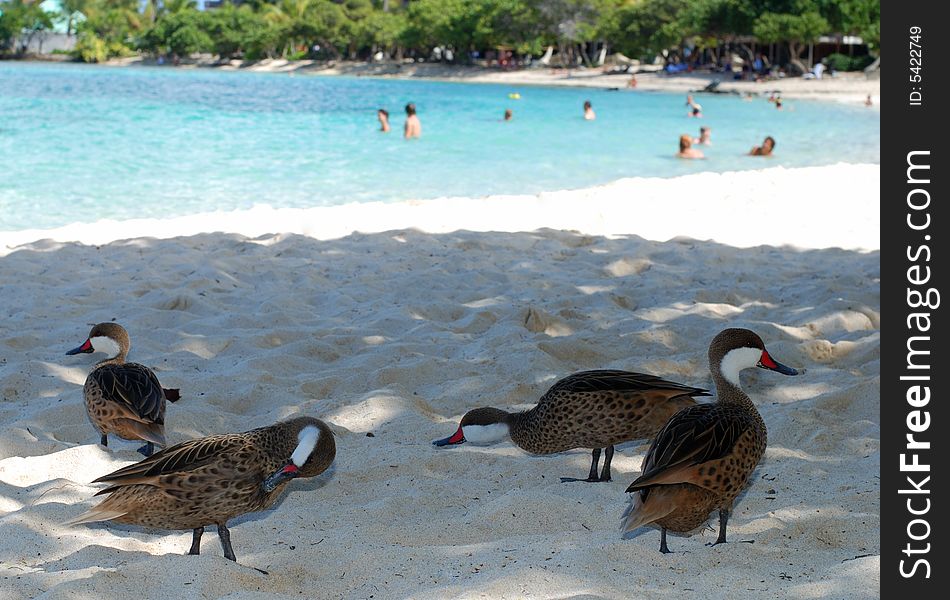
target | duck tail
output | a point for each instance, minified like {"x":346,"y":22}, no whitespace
{"x":643,"y":509}
{"x":95,"y":515}
{"x":150,"y":432}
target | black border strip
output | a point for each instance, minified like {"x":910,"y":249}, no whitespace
{"x":914,"y":514}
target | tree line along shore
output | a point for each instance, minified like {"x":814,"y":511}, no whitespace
{"x":750,"y":36}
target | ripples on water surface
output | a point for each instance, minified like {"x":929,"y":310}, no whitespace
{"x":80,"y":143}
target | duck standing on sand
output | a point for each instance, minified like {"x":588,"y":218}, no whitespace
{"x":123,"y":398}
{"x":590,"y":409}
{"x":704,"y":455}
{"x":214,"y":479}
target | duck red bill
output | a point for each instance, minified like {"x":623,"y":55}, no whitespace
{"x":285,"y":473}
{"x":456,"y":438}
{"x":85,"y":348}
{"x":767,"y":362}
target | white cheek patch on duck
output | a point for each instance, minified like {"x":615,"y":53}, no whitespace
{"x":736,"y":360}
{"x":485,"y":434}
{"x":104,"y":344}
{"x":306,"y":441}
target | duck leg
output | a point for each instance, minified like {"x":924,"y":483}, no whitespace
{"x":608,"y":456}
{"x":148,"y":449}
{"x":104,"y":440}
{"x":723,"y":520}
{"x":196,"y":541}
{"x":663,"y":547}
{"x":592,"y":477}
{"x":225,"y":537}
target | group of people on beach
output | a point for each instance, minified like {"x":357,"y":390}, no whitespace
{"x":705,"y":139}
{"x":411,"y":129}
{"x":705,"y":134}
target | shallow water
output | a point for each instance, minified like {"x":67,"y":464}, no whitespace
{"x":79,"y":143}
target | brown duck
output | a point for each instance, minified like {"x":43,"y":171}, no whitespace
{"x":590,"y":409}
{"x":122,"y":398}
{"x":704,"y":455}
{"x":211,"y":480}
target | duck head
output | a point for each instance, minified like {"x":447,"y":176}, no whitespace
{"x":109,"y":338}
{"x":480,"y":426}
{"x":312,"y":451}
{"x":736,"y":349}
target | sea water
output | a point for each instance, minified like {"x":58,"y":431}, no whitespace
{"x":80,"y":143}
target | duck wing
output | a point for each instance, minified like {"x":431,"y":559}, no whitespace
{"x":183,"y":457}
{"x":135,"y":387}
{"x":693,"y":436}
{"x":621,"y":381}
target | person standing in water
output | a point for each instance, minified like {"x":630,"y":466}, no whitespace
{"x":413,"y":128}
{"x":383,"y":116}
{"x":508,"y":114}
{"x":589,"y":111}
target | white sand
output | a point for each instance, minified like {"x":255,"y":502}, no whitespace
{"x":850,"y":88}
{"x":399,"y":331}
{"x":811,"y":207}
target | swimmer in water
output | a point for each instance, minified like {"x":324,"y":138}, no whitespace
{"x":705,"y":137}
{"x":768,"y":144}
{"x":589,"y":111}
{"x":686,"y":149}
{"x":383,"y":116}
{"x":413,"y":127}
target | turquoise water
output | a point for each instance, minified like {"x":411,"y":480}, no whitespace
{"x":80,"y":143}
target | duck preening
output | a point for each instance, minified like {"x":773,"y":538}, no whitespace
{"x":211,"y":480}
{"x":123,"y":398}
{"x":703,"y":457}
{"x":590,"y":409}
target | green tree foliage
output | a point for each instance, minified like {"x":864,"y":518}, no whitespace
{"x":797,"y":30}
{"x":109,"y":30}
{"x":179,"y":33}
{"x":240,"y":30}
{"x":578,"y":29}
{"x":19,"y":22}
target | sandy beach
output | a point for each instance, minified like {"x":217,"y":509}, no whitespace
{"x":390,"y":322}
{"x":852,"y":88}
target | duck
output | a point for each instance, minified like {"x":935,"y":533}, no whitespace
{"x":703,"y":456}
{"x":214,"y":479}
{"x":591,"y":409}
{"x":123,"y":398}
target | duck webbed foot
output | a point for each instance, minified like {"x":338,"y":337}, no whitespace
{"x":196,"y":541}
{"x":595,"y":459}
{"x":723,"y":520}
{"x":663,"y":547}
{"x":608,"y":456}
{"x":225,"y":537}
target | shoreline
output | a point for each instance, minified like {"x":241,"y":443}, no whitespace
{"x":638,"y":206}
{"x":848,"y":88}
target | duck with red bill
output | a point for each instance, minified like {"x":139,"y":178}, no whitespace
{"x":86,"y":348}
{"x":767,"y":362}
{"x":285,"y":473}
{"x":456,"y":438}
{"x":589,"y":409}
